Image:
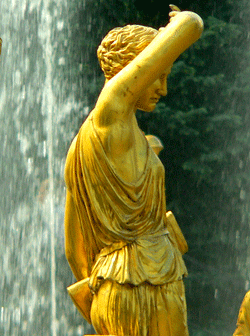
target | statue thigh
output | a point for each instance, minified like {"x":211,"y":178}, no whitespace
{"x":144,"y":310}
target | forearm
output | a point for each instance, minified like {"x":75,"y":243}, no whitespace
{"x":74,"y":243}
{"x":183,"y":30}
{"x":77,"y":268}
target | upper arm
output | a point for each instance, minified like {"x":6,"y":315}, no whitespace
{"x":121,"y":93}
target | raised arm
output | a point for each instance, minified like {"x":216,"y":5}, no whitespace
{"x":120,"y":94}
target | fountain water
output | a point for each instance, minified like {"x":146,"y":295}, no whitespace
{"x":35,"y":102}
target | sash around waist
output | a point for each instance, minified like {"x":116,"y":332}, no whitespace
{"x":150,"y":258}
{"x":120,"y":244}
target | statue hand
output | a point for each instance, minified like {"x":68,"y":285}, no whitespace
{"x":174,"y":11}
{"x":175,"y":8}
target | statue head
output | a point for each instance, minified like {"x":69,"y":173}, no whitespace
{"x":121,"y":45}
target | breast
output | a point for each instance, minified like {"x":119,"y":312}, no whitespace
{"x":130,"y":161}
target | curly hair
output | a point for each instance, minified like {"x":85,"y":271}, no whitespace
{"x":121,"y":45}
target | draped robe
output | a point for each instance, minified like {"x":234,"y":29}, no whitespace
{"x":123,"y":224}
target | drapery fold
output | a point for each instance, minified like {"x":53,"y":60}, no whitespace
{"x":126,"y":219}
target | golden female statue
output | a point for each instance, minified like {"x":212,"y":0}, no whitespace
{"x":120,"y":244}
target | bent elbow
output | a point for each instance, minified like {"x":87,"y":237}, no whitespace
{"x":199,"y":23}
{"x":196,"y":21}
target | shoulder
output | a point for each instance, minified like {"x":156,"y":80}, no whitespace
{"x":112,"y":105}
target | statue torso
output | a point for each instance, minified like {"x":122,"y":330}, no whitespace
{"x":121,"y":206}
{"x":126,"y":148}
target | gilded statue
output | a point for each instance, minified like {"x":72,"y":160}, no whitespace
{"x":155,"y":143}
{"x":123,"y":247}
{"x":243,"y":321}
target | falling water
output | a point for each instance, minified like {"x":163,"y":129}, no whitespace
{"x":37,"y":98}
{"x":48,"y":107}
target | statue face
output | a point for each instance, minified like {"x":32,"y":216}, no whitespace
{"x":150,"y":97}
